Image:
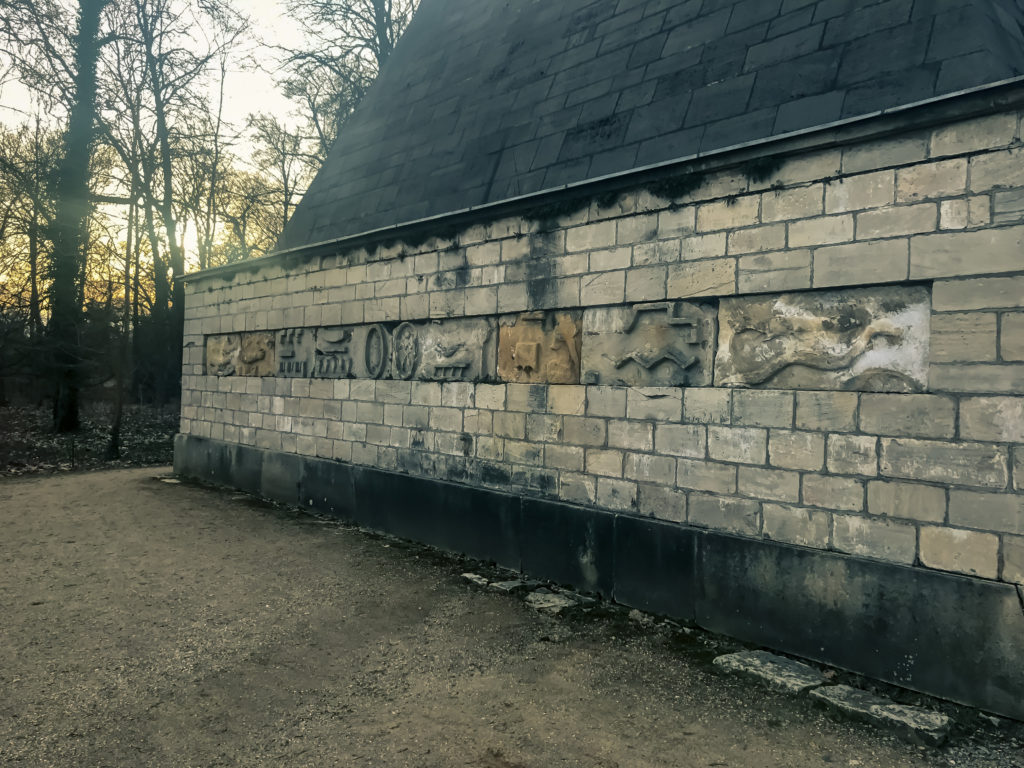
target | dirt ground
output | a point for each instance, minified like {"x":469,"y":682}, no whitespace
{"x":154,"y":624}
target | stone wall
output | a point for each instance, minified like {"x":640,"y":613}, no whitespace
{"x":829,"y":354}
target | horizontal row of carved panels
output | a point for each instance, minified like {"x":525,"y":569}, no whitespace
{"x":865,"y":339}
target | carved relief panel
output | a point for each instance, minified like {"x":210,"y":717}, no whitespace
{"x":661,"y":344}
{"x":540,"y":348}
{"x":222,"y":353}
{"x":448,"y":350}
{"x":296,"y":348}
{"x":872,"y":339}
{"x":256,"y":356}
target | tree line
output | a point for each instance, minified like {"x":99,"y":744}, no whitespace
{"x":124,"y":173}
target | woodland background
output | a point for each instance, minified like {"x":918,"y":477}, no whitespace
{"x":122,"y":171}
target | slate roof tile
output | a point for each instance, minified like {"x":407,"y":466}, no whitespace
{"x":482,"y":101}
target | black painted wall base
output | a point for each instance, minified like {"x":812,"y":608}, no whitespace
{"x":950,"y":636}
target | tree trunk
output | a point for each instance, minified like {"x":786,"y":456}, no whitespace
{"x":71,"y":219}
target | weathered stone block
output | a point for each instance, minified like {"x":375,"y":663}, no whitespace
{"x":871,"y":537}
{"x":976,"y":377}
{"x":859,"y":263}
{"x":725,"y":514}
{"x":707,"y":405}
{"x":787,"y":204}
{"x":963,"y":337}
{"x":824,"y":230}
{"x":832,"y":492}
{"x":995,"y":170}
{"x":908,"y":415}
{"x":743,"y":445}
{"x":796,"y":450}
{"x":951,"y":549}
{"x":855,"y":193}
{"x":661,"y":502}
{"x":1011,"y":339}
{"x":912,"y":501}
{"x":852,"y":455}
{"x":687,"y":440}
{"x":769,"y":484}
{"x":872,"y":339}
{"x":658,"y":403}
{"x":797,"y":525}
{"x":662,"y":344}
{"x":649,"y":468}
{"x":1003,"y":512}
{"x":619,"y":495}
{"x":780,"y":271}
{"x":771,"y":237}
{"x":707,"y":277}
{"x":995,"y":419}
{"x":973,"y":135}
{"x":706,"y":476}
{"x":729,"y":214}
{"x":762,"y":408}
{"x":826,"y":411}
{"x":973,"y":464}
{"x":951,"y":254}
{"x":631,"y":435}
{"x":917,"y":723}
{"x":540,"y":347}
{"x":606,"y":401}
{"x":780,"y":673}
{"x":945,"y":178}
{"x":898,"y":220}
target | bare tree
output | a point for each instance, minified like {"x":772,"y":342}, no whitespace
{"x":348,"y":41}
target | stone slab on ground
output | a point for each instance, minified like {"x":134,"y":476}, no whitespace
{"x":777,"y":671}
{"x":514,"y":586}
{"x":915,"y":722}
{"x":550,"y":602}
{"x":475,"y":578}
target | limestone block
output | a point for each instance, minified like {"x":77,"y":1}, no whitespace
{"x":706,"y":476}
{"x":870,"y":537}
{"x":975,"y":464}
{"x":660,"y":344}
{"x":909,"y":500}
{"x":446,"y":350}
{"x":795,"y":525}
{"x":540,"y":347}
{"x":951,"y":549}
{"x":872,"y":339}
{"x":296,"y":351}
{"x":222,"y":354}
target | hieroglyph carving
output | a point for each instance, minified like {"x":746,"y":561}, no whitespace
{"x":540,"y":348}
{"x":241,"y":354}
{"x":442,"y":350}
{"x":871,"y":339}
{"x":662,"y":344}
{"x":296,"y":348}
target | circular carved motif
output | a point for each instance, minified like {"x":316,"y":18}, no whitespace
{"x":407,"y":351}
{"x":376,"y":351}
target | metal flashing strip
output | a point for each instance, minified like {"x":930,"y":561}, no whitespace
{"x":939,"y":109}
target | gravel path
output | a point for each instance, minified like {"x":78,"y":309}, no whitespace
{"x":146,"y":623}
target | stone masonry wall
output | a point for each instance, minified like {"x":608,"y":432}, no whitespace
{"x":928,"y":473}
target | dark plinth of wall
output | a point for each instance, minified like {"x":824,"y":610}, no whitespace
{"x":965,"y":636}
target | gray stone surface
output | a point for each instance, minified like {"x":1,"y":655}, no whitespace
{"x":456,"y":350}
{"x":296,"y":352}
{"x":550,"y":602}
{"x":873,"y":339}
{"x":475,"y":579}
{"x":914,"y":722}
{"x":524,"y":96}
{"x":649,"y":345}
{"x":540,"y":347}
{"x":514,"y":586}
{"x":777,"y":671}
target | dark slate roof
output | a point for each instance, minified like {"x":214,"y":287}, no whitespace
{"x":486,"y":100}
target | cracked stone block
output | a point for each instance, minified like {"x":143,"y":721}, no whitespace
{"x":777,"y":671}
{"x":540,"y":348}
{"x":916,"y":723}
{"x":662,"y":344}
{"x":870,"y":339}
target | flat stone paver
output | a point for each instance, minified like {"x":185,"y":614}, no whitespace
{"x":154,"y":624}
